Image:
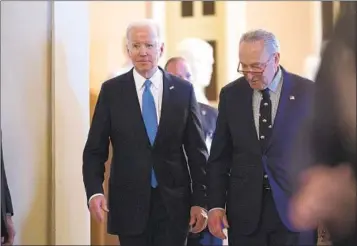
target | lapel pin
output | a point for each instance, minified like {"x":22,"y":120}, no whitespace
{"x":203,"y":112}
{"x":171,"y":87}
{"x":292,"y":98}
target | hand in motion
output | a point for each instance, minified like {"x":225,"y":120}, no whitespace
{"x":97,"y":207}
{"x":198,"y":220}
{"x":326,"y":195}
{"x":217,"y":218}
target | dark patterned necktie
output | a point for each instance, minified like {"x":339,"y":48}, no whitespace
{"x":265,"y":121}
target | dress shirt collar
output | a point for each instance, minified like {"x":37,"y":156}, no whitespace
{"x":273,"y":86}
{"x":156,"y":79}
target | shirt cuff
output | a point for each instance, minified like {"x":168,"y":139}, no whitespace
{"x":98,"y":194}
{"x":212,"y":209}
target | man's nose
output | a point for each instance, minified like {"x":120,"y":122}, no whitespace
{"x":249,"y":76}
{"x":142,"y":51}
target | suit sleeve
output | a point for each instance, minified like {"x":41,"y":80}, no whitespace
{"x":196,"y":152}
{"x":96,"y":150}
{"x":7,"y":196}
{"x":220,"y":159}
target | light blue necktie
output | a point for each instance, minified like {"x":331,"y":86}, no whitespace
{"x":150,"y":120}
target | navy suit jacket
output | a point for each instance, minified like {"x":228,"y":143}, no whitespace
{"x":209,"y":117}
{"x":117,"y":118}
{"x":236,"y":163}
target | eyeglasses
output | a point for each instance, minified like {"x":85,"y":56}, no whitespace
{"x":255,"y":70}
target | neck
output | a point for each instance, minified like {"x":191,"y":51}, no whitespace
{"x":200,"y":95}
{"x":147,"y":74}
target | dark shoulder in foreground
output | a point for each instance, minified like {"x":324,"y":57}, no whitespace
{"x":236,"y":84}
{"x":118,"y":79}
{"x":303,"y":81}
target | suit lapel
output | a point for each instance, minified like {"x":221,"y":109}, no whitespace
{"x":283,"y":107}
{"x":247,"y":96}
{"x":167,"y":93}
{"x":132,"y":100}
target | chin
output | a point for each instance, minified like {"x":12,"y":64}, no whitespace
{"x":256,"y":86}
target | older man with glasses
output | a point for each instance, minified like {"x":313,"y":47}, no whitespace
{"x":259,"y":118}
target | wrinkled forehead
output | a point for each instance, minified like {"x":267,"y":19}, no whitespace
{"x":143,"y":34}
{"x":252,"y":52}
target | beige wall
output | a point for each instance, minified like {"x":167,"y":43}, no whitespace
{"x":25,"y":115}
{"x":204,"y":27}
{"x":70,"y":121}
{"x":45,"y":118}
{"x":108,"y":22}
{"x":296,"y":24}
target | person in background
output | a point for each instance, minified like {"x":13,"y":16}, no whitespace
{"x":259,"y":116}
{"x":153,"y":122}
{"x":179,"y":67}
{"x":327,"y":190}
{"x":7,"y":225}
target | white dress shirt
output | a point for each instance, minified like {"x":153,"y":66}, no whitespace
{"x":157,"y":85}
{"x":274,"y":91}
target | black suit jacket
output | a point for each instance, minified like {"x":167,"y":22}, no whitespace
{"x":118,"y":118}
{"x":6,"y":203}
{"x":236,"y":163}
{"x":209,"y":118}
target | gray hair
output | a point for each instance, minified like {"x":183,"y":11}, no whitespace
{"x":271,"y":43}
{"x":153,"y":25}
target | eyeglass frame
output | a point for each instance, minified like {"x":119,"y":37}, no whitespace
{"x":264,"y":65}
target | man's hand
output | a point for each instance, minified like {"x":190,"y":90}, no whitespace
{"x":198,"y":220}
{"x":217,"y":218}
{"x":327,"y":195}
{"x":10,"y":231}
{"x":97,"y":205}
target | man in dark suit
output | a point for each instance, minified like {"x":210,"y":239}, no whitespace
{"x":7,"y":226}
{"x":259,"y":116}
{"x":179,"y":67}
{"x":152,"y":120}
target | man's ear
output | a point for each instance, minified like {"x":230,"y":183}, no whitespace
{"x":277,"y":59}
{"x":162,"y":49}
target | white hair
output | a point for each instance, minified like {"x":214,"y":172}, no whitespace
{"x":150,"y":23}
{"x":271,"y":43}
{"x":193,"y":49}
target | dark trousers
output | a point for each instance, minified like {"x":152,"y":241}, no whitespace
{"x":271,"y":231}
{"x":160,"y":231}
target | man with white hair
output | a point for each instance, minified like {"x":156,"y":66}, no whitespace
{"x":152,"y":120}
{"x":259,"y":117}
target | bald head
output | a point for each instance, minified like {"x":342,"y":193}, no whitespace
{"x":178,"y":66}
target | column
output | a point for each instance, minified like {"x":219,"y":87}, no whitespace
{"x":70,"y":121}
{"x":235,"y":26}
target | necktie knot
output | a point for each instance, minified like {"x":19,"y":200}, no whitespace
{"x":265,"y":94}
{"x":147,"y":84}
